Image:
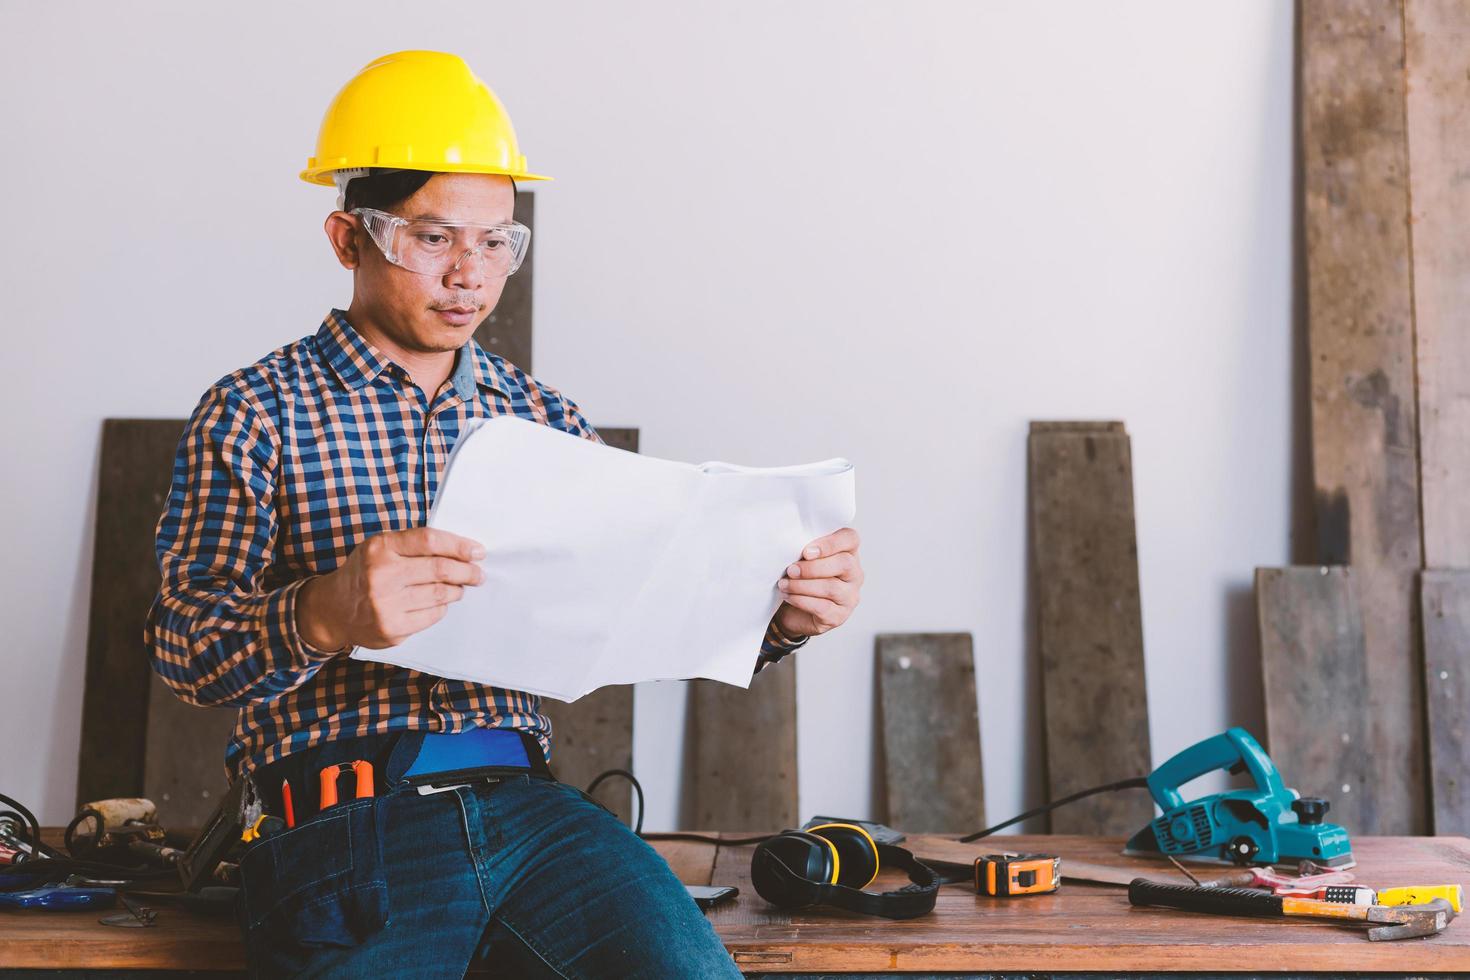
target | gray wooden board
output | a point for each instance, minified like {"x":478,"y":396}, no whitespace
{"x":1314,"y":672}
{"x":1445,"y":596}
{"x":595,"y":733}
{"x":590,"y":736}
{"x":931,"y":733}
{"x":742,"y":745}
{"x":1089,"y":628}
{"x":1437,"y":62}
{"x":138,"y":739}
{"x":1360,"y":334}
{"x":507,"y":330}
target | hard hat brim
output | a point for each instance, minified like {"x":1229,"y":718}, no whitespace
{"x":322,"y":176}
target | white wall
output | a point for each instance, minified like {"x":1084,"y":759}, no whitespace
{"x":779,"y":232}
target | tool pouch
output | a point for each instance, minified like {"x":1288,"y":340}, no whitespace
{"x":321,"y":883}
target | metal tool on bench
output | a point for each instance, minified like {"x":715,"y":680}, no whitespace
{"x":1267,"y":823}
{"x":1421,"y":894}
{"x":238,"y":809}
{"x":119,"y":830}
{"x":1273,"y":880}
{"x":1386,"y":922}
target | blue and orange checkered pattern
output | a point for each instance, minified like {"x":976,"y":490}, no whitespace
{"x":284,"y":468}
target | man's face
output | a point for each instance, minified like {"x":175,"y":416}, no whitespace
{"x":420,"y":312}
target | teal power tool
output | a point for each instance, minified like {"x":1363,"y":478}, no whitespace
{"x":1266,"y":824}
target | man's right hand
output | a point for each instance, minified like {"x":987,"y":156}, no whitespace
{"x":393,"y":585}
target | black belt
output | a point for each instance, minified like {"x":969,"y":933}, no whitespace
{"x":391,"y":755}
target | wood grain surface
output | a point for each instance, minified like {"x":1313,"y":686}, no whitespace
{"x":931,"y":732}
{"x":1437,"y":65}
{"x":1081,"y":927}
{"x":1360,"y":334}
{"x":1090,"y":625}
{"x":1446,"y":603}
{"x":138,"y":737}
{"x":1314,"y":672}
{"x":742,"y":744}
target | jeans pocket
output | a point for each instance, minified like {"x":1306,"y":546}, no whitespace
{"x":321,"y":883}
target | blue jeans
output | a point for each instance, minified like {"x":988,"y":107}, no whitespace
{"x":528,"y":877}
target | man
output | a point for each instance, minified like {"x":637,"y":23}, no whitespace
{"x":294,"y":533}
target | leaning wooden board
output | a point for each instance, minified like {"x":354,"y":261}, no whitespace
{"x":1090,"y":625}
{"x":138,"y":738}
{"x":1314,"y":669}
{"x":1080,"y":928}
{"x":1437,"y":64}
{"x":1446,"y":609}
{"x":932,"y":777}
{"x":741,"y":751}
{"x":1360,"y":334}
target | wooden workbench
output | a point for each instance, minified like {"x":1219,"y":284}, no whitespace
{"x":1084,"y":928}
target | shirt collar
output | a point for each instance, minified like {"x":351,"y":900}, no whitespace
{"x":357,"y":362}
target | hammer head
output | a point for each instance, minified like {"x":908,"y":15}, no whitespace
{"x":1410,"y":921}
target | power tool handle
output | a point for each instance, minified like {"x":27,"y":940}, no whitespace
{"x":1221,"y":901}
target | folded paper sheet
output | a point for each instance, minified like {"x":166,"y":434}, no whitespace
{"x":607,"y":567}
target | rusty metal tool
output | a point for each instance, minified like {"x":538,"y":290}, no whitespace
{"x":1385,"y":923}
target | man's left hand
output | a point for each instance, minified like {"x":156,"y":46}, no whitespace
{"x":821,"y":589}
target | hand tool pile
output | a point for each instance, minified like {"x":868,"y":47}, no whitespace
{"x":116,"y":852}
{"x":1385,"y":921}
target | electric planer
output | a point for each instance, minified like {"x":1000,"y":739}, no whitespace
{"x":1268,"y":823}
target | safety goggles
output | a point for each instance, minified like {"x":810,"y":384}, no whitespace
{"x":437,"y":248}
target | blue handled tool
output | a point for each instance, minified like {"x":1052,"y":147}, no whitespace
{"x":59,"y":897}
{"x":1267,"y":823}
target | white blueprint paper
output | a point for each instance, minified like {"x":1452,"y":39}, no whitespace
{"x":607,"y":567}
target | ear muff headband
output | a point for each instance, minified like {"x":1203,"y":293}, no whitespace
{"x":857,"y":847}
{"x":779,"y":883}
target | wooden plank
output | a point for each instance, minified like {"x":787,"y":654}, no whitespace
{"x":1091,"y":930}
{"x":183,"y":755}
{"x":1445,"y":596}
{"x":741,"y":747}
{"x":595,"y":733}
{"x":693,"y":863}
{"x":1360,"y":332}
{"x":507,"y":330}
{"x":930,"y":733}
{"x":1437,"y":42}
{"x":138,"y":739}
{"x":1090,"y":625}
{"x":590,"y":736}
{"x":1314,"y":670}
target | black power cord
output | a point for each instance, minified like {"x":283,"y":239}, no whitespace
{"x":1136,"y":782}
{"x":637,"y":790}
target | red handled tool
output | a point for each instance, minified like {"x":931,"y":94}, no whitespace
{"x":360,"y":768}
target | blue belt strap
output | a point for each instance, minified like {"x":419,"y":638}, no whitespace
{"x":469,"y":749}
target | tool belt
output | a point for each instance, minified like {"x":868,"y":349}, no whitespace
{"x":476,"y":756}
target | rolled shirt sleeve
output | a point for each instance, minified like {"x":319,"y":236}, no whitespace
{"x":214,"y":633}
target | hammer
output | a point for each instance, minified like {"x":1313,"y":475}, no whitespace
{"x":1401,"y":922}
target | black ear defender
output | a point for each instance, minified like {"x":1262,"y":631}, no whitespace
{"x":831,"y":864}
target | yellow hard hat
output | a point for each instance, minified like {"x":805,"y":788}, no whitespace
{"x":416,"y":110}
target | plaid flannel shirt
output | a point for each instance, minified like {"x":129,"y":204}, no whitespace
{"x":284,"y":468}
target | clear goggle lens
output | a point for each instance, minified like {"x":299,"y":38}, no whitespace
{"x":436,"y":248}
